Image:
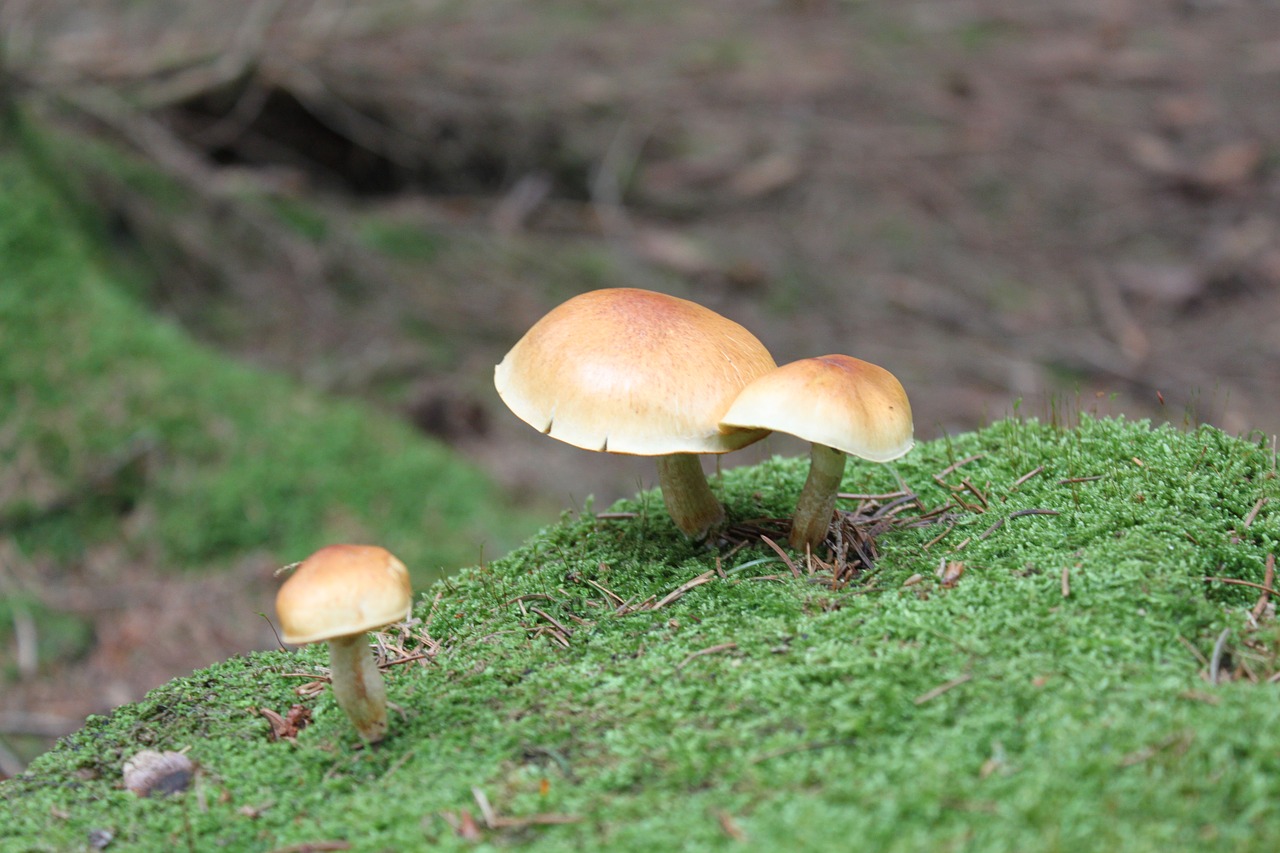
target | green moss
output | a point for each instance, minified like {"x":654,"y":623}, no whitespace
{"x":229,"y":459}
{"x":994,"y":714}
{"x":401,"y":240}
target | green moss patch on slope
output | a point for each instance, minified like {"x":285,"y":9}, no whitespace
{"x":1008,"y":710}
{"x":108,"y":410}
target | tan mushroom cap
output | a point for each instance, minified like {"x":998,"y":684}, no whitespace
{"x":835,"y":400}
{"x":342,"y":590}
{"x":624,"y":370}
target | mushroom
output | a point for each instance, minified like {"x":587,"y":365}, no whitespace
{"x":623,"y":370}
{"x":337,"y":594}
{"x":842,"y":405}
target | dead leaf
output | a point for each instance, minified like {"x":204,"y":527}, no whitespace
{"x":467,"y":828}
{"x":950,"y":573}
{"x":286,"y":727}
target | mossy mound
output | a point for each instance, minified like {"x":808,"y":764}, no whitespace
{"x":1056,"y":694}
{"x":110,"y":411}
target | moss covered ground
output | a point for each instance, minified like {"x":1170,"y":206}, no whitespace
{"x":107,"y":410}
{"x":1079,"y":685}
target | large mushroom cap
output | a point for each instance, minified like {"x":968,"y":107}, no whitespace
{"x":631,"y":371}
{"x":835,"y":400}
{"x":341,"y":590}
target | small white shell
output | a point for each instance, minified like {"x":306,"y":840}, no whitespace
{"x":158,"y":773}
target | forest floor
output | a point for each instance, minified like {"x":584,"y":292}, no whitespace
{"x":1073,"y":205}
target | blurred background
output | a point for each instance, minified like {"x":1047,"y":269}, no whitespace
{"x":258,"y":259}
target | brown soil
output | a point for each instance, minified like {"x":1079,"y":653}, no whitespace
{"x":1075,"y":204}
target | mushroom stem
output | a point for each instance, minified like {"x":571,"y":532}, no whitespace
{"x":687,"y":494}
{"x":358,"y":686}
{"x":817,"y":499}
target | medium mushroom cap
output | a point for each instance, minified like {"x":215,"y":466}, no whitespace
{"x":342,"y":590}
{"x":835,"y":400}
{"x":624,"y":370}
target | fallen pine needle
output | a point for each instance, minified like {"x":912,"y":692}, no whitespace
{"x":804,"y":747}
{"x":1267,"y":580}
{"x":783,"y":554}
{"x":942,"y":688}
{"x":1000,"y":522}
{"x":705,"y":577}
{"x":1027,"y":476}
{"x":1215,"y":662}
{"x":954,"y":465}
{"x":1238,"y":582}
{"x":711,"y":650}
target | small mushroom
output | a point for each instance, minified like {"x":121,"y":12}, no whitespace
{"x":337,"y":594}
{"x":623,"y":370}
{"x":841,"y":405}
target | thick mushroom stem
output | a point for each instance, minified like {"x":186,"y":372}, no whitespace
{"x":687,"y":494}
{"x":817,"y":499}
{"x":358,"y":686}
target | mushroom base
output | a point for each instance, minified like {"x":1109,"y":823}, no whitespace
{"x":358,"y":686}
{"x":687,"y":494}
{"x":817,"y":499}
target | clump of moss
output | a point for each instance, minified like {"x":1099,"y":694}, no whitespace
{"x":112,"y":411}
{"x":1076,"y":683}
